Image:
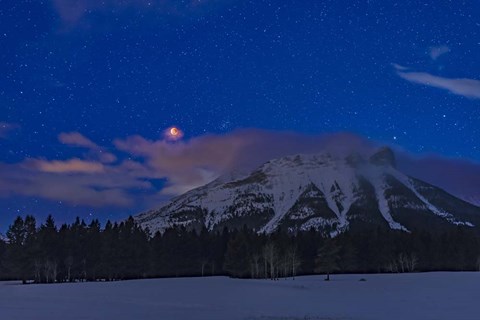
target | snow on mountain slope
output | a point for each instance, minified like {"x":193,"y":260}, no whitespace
{"x":473,"y":199}
{"x":321,"y":191}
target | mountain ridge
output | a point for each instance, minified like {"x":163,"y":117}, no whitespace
{"x":329,"y":193}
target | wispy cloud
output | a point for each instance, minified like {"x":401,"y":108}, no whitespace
{"x":110,"y":188}
{"x":182,"y":164}
{"x":186,"y":164}
{"x":399,"y":67}
{"x":72,"y":12}
{"x":436,"y":52}
{"x":189,"y":164}
{"x":78,"y":140}
{"x":68,"y":166}
{"x":469,"y":88}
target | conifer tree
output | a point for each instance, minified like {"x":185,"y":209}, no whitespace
{"x":17,"y":258}
{"x":237,"y":261}
{"x":327,"y":258}
{"x":3,"y":249}
{"x":49,"y":249}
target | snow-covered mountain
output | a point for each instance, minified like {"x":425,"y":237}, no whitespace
{"x":321,"y":191}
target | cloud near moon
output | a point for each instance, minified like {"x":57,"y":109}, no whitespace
{"x":148,"y":172}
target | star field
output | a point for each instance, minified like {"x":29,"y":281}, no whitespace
{"x":111,"y":71}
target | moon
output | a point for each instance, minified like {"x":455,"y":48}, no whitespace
{"x":174,"y":131}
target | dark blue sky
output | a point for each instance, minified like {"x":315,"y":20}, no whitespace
{"x":400,"y":73}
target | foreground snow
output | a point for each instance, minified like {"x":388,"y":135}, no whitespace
{"x":407,"y":296}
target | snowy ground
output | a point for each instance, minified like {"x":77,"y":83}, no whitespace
{"x":452,"y":296}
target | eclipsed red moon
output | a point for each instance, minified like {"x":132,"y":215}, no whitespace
{"x":174,"y":131}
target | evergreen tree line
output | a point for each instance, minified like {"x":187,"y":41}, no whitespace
{"x":119,"y":251}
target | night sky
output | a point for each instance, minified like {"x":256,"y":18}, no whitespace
{"x":89,"y":90}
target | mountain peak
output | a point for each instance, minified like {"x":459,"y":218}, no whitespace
{"x":383,"y":157}
{"x":328,"y":193}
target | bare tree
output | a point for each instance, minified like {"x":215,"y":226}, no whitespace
{"x":284,"y":266}
{"x":38,"y":271}
{"x":294,"y":260}
{"x":392,"y":267}
{"x":265,"y":262}
{"x":46,"y":271}
{"x":255,"y":265}
{"x":54,"y":270}
{"x":203,"y":263}
{"x":412,"y":262}
{"x":50,"y":271}
{"x":271,"y":255}
{"x":403,"y":263}
{"x":84,"y":269}
{"x":69,"y":264}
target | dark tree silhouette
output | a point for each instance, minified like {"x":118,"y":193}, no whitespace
{"x":237,"y":255}
{"x":327,"y":258}
{"x":80,"y":252}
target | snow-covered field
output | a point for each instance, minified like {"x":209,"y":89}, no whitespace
{"x":442,"y":295}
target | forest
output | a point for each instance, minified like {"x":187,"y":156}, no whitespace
{"x":80,"y":252}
